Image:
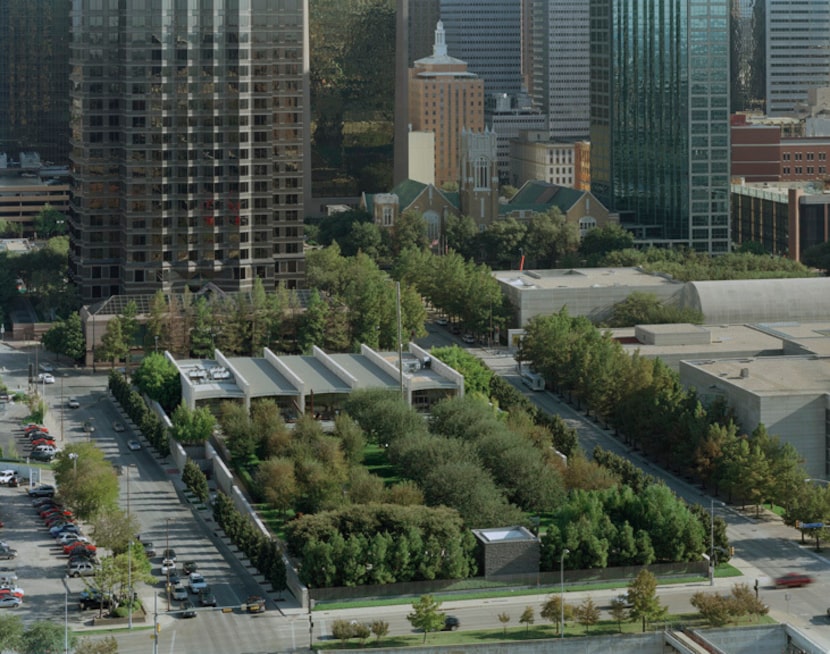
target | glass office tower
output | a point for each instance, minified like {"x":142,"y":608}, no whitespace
{"x":660,"y":118}
{"x":188,"y":118}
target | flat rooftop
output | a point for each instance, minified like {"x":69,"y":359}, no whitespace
{"x":771,"y":375}
{"x":724,"y":339}
{"x":574,"y":278}
{"x":502,"y":534}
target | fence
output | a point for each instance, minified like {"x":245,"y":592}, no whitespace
{"x":542,"y":580}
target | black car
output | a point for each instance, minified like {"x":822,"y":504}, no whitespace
{"x":44,"y":457}
{"x":92,"y":599}
{"x":206,"y":597}
{"x":169,"y":554}
{"x":188,"y":610}
{"x":451,"y":623}
{"x":44,"y":490}
{"x":189,"y":566}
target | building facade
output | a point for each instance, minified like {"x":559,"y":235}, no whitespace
{"x":534,"y":156}
{"x":188,"y":145}
{"x":507,"y":119}
{"x":487,"y":34}
{"x":785,"y":218}
{"x":560,"y":65}
{"x":23,"y":198}
{"x":34,"y":83}
{"x":797,"y":52}
{"x":444,"y":98}
{"x":660,"y":118}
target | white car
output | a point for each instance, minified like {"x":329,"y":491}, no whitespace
{"x":72,"y":403}
{"x":134,"y":445}
{"x":7,"y":475}
{"x":196,"y":582}
{"x":167,"y":566}
{"x":46,"y":378}
{"x":10,"y":602}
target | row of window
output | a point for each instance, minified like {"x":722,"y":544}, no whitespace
{"x":799,"y":170}
{"x":809,"y":156}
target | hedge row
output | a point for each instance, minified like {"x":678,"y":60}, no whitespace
{"x":135,"y":407}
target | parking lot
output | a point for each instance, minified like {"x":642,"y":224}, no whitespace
{"x":149,"y":485}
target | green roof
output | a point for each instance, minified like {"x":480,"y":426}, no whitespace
{"x":540,"y":196}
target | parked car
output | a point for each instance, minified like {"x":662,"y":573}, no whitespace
{"x":190,"y":566}
{"x":91,"y":598}
{"x":794,"y":580}
{"x":196,"y":582}
{"x":33,"y":426}
{"x":469,"y":339}
{"x":57,"y":530}
{"x":443,"y":322}
{"x":188,"y":610}
{"x":169,"y":553}
{"x":81,"y":569}
{"x":10,"y":602}
{"x":7,"y":475}
{"x":72,"y":403}
{"x":44,"y":490}
{"x":7,"y":553}
{"x":179,"y":592}
{"x":149,"y":550}
{"x":78,"y":546}
{"x":46,"y":449}
{"x":12,"y":590}
{"x":206,"y":597}
{"x":167,"y":566}
{"x":44,"y":457}
{"x":255,"y":604}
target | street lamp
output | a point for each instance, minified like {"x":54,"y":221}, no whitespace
{"x":130,"y":553}
{"x":562,"y":591}
{"x":167,"y":567}
{"x":156,"y":338}
{"x":65,"y":615}
{"x":712,"y":541}
{"x":74,"y":457}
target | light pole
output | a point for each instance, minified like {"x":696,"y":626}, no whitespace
{"x":167,"y":567}
{"x":156,"y":339}
{"x":562,"y":591}
{"x":712,"y":541}
{"x":63,"y":407}
{"x":310,"y":621}
{"x":129,"y":553}
{"x":65,"y":615}
{"x":74,"y":457}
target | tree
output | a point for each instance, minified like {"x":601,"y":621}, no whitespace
{"x":379,"y":628}
{"x":312,"y":327}
{"x":49,"y":222}
{"x":714,"y":608}
{"x":527,"y":618}
{"x":106,"y":645}
{"x":277,"y":482}
{"x":642,"y":595}
{"x":66,"y":337}
{"x":341,"y":630}
{"x":114,"y":529}
{"x":114,"y":345}
{"x":552,"y":610}
{"x":504,"y":618}
{"x":426,"y":615}
{"x":601,"y":240}
{"x":818,"y":256}
{"x":192,"y":427}
{"x":87,"y":483}
{"x":44,"y":637}
{"x":587,"y":613}
{"x":195,"y":480}
{"x":11,"y":632}
{"x":619,"y":611}
{"x":159,"y":379}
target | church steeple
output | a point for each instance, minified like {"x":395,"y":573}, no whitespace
{"x":439,"y":48}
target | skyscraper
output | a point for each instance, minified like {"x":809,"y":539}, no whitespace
{"x":444,"y":98}
{"x":559,"y":50}
{"x":487,"y":34}
{"x":34,"y":78}
{"x":660,"y":118}
{"x":188,"y":123}
{"x":798,"y":52}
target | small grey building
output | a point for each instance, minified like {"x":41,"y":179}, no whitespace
{"x":507,"y":551}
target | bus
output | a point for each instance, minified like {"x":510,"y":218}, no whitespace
{"x":533,"y":380}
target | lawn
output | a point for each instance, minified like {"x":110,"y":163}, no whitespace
{"x":515,"y":632}
{"x":374,"y":458}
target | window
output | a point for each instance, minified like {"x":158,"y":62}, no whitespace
{"x":388,"y":216}
{"x":586,"y":224}
{"x":482,"y":170}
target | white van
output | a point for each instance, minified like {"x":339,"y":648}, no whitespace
{"x":46,"y":449}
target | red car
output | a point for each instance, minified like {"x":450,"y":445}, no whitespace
{"x":34,"y":427}
{"x":78,"y":546}
{"x":794,"y":580}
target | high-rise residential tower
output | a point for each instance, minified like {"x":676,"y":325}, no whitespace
{"x":660,"y":118}
{"x":487,"y":34}
{"x":34,"y":78}
{"x":559,"y":67}
{"x":797,"y":52}
{"x":188,"y":123}
{"x":445,"y":98}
